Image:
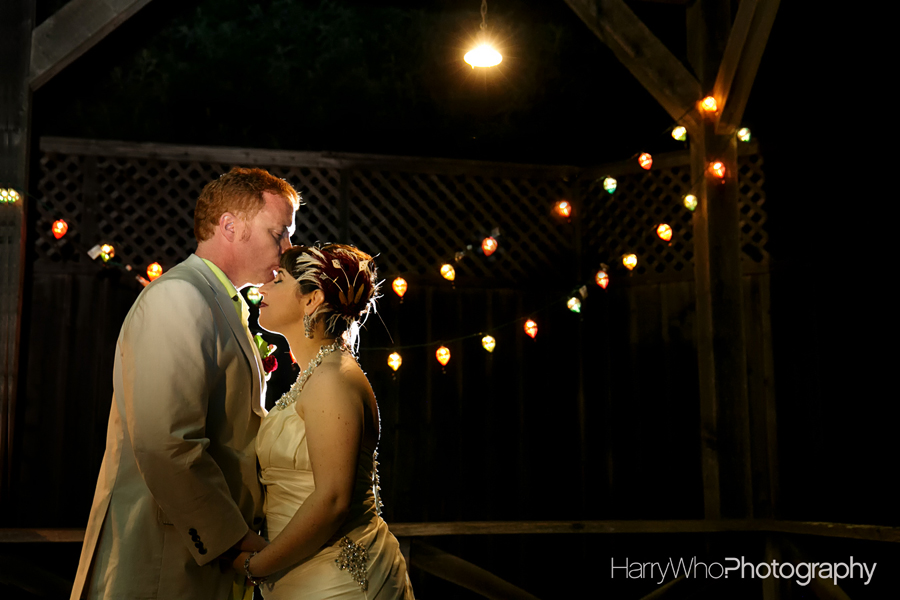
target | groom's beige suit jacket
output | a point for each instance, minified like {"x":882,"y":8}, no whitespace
{"x":178,"y":484}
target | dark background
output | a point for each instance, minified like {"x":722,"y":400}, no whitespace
{"x":387,"y":77}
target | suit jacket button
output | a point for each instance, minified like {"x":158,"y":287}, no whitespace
{"x":198,"y":545}
{"x":192,"y":531}
{"x":202,"y":551}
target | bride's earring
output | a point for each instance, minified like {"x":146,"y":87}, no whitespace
{"x":308,"y":326}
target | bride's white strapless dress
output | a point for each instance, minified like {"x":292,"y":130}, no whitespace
{"x":287,"y":475}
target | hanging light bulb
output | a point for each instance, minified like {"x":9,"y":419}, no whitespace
{"x":664,"y":232}
{"x":679,"y":133}
{"x":630,"y":261}
{"x":717,"y":169}
{"x":563,"y":208}
{"x":602,"y":278}
{"x":743,"y":134}
{"x":154,"y":270}
{"x":488,"y":343}
{"x":574,"y":304}
{"x":645,"y":160}
{"x":394,"y":361}
{"x":399,"y":286}
{"x":489,"y":246}
{"x":483,"y":55}
{"x":690,"y":202}
{"x":448,"y":272}
{"x":443,"y":355}
{"x":531,"y":328}
{"x":709,"y":105}
{"x":107,"y":252}
{"x":609,"y":184}
{"x":59,"y":228}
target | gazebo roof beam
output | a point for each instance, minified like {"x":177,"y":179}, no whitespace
{"x":73,"y":30}
{"x":658,"y":70}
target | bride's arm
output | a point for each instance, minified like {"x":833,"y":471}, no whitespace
{"x":333,"y":411}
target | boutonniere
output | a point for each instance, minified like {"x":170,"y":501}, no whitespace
{"x":269,"y":362}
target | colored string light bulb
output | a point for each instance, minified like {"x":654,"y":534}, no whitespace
{"x":564,"y":208}
{"x":574,"y":304}
{"x":743,"y":134}
{"x":609,"y":184}
{"x":448,"y":272}
{"x":709,"y":104}
{"x":488,"y":343}
{"x":645,"y":160}
{"x":59,"y":228}
{"x":399,"y":286}
{"x":630,"y":261}
{"x":489,"y":246}
{"x":443,"y":355}
{"x":394,"y":361}
{"x":664,"y":232}
{"x":107,"y":252}
{"x":8,"y":195}
{"x":690,"y":202}
{"x":154,"y":270}
{"x":253,"y":295}
{"x":602,"y":278}
{"x":531,"y":328}
{"x":679,"y":133}
{"x":717,"y":169}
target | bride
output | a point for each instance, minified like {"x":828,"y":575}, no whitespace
{"x":317,"y":448}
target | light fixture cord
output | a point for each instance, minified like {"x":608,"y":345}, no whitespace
{"x":483,"y":14}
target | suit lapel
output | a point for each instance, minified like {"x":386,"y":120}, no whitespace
{"x":237,"y":328}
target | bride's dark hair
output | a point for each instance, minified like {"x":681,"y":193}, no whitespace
{"x":347,"y":278}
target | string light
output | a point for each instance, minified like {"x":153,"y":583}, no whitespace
{"x":709,"y":104}
{"x":399,"y":286}
{"x":645,"y":160}
{"x":59,"y":228}
{"x":690,"y":202}
{"x":489,"y":246}
{"x":564,"y":208}
{"x":394,"y":361}
{"x":488,"y":343}
{"x":679,"y":133}
{"x":253,"y":296}
{"x":717,"y":169}
{"x":609,"y":184}
{"x":483,"y":55}
{"x":107,"y":252}
{"x":630,"y":261}
{"x":664,"y":232}
{"x":448,"y":272}
{"x":154,"y":270}
{"x":574,"y":304}
{"x":443,"y":355}
{"x":743,"y":134}
{"x":8,"y":195}
{"x":531,"y":328}
{"x":602,"y":278}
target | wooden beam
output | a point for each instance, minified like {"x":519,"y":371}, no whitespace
{"x":745,"y":71}
{"x":73,"y":30}
{"x":658,"y":70}
{"x":734,"y":49}
{"x":463,"y":573}
{"x":16,"y":25}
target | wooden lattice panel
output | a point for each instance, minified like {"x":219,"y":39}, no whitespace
{"x":414,"y":214}
{"x":416,"y":222}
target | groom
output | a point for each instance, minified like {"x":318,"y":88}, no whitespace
{"x":178,"y":486}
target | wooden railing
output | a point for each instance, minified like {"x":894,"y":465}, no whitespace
{"x":451,"y":568}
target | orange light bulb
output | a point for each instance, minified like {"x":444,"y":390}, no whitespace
{"x":531,"y":328}
{"x":60,"y":228}
{"x":602,"y":279}
{"x":153,"y":271}
{"x":564,"y":208}
{"x":709,"y":104}
{"x":645,"y":160}
{"x":717,"y":169}
{"x":664,"y":232}
{"x":443,"y":355}
{"x":399,"y":286}
{"x":489,"y":246}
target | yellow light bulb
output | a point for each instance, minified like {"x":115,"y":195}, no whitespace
{"x":483,"y":55}
{"x":488,"y":343}
{"x":709,"y":104}
{"x":394,"y":361}
{"x":630,"y":261}
{"x":154,"y":270}
{"x":448,"y":272}
{"x":443,"y":355}
{"x":664,"y":232}
{"x":399,"y":286}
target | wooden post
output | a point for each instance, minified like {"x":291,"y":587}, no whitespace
{"x":16,"y":24}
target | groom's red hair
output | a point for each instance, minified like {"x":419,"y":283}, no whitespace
{"x":240,"y":192}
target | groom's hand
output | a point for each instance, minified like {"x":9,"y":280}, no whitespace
{"x":251,"y":542}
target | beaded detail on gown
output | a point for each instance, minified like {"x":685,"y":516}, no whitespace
{"x":363,"y":559}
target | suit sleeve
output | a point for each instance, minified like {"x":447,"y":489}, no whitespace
{"x":169,"y":367}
